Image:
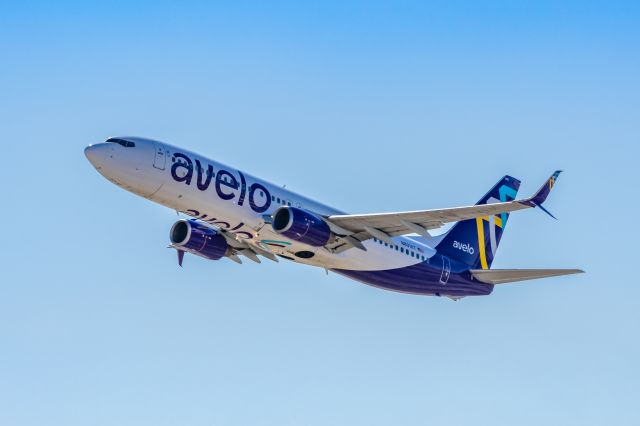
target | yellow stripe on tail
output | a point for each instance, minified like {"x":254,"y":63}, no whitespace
{"x":481,"y":243}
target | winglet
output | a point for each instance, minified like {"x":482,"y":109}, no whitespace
{"x":542,"y":194}
{"x":180,"y":257}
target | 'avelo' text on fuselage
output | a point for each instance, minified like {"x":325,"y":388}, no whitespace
{"x":226,"y":184}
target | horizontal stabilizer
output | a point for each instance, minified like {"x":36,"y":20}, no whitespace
{"x":504,"y":276}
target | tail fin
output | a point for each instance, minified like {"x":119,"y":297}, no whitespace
{"x":474,"y":242}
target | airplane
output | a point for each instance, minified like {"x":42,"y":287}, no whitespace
{"x":232,"y":214}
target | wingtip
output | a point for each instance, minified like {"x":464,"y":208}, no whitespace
{"x":180,"y":257}
{"x":544,"y":191}
{"x":546,"y":211}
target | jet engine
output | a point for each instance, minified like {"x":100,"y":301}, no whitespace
{"x":197,"y":238}
{"x":302,"y":226}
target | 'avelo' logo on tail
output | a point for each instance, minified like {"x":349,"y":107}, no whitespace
{"x":466,"y":247}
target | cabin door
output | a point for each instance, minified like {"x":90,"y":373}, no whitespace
{"x":446,"y":270}
{"x":160,"y":157}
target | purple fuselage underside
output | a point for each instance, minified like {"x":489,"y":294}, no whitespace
{"x":423,"y":278}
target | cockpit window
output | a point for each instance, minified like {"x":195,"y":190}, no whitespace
{"x":126,"y":144}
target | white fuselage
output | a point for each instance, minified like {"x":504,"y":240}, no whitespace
{"x":230,"y":199}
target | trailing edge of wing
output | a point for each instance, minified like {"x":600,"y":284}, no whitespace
{"x":505,"y":276}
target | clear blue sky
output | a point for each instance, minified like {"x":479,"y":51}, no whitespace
{"x":367,"y":107}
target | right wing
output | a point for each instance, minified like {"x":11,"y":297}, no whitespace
{"x":386,"y":225}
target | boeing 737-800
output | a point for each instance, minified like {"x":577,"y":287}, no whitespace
{"x":235,"y":215}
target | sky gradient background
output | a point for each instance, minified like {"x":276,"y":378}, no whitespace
{"x":367,"y":107}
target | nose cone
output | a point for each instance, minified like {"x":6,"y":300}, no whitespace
{"x":90,"y":153}
{"x":96,"y":154}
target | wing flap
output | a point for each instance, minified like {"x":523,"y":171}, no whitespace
{"x":505,"y":276}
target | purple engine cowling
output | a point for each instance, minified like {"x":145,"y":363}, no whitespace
{"x":302,"y":226}
{"x":196,"y":238}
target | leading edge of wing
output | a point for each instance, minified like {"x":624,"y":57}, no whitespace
{"x":430,"y":219}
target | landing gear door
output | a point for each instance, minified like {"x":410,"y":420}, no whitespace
{"x":160,"y":157}
{"x":446,"y":270}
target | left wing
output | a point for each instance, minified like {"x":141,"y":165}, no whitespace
{"x":385,"y":225}
{"x":245,"y":247}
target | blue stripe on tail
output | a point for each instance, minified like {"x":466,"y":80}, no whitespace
{"x":475,"y":242}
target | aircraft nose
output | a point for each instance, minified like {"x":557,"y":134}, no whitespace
{"x":89,"y":152}
{"x":96,"y":154}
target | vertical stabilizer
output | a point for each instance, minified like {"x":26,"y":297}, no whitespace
{"x":475,"y":242}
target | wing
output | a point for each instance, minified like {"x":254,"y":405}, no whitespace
{"x":239,"y":247}
{"x":386,"y":225}
{"x":504,"y":276}
{"x":245,"y":248}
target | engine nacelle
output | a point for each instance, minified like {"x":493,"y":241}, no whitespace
{"x":196,"y":238}
{"x":302,"y":226}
